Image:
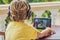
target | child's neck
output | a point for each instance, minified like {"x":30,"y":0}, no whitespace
{"x":21,"y":20}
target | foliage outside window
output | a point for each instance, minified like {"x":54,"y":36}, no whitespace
{"x":5,"y":1}
{"x":43,"y":0}
{"x":8,"y":1}
{"x":46,"y":14}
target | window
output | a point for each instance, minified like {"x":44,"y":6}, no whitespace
{"x":8,"y":1}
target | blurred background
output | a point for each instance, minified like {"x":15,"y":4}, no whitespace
{"x":31,"y":1}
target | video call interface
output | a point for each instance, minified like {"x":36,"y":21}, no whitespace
{"x":42,"y":23}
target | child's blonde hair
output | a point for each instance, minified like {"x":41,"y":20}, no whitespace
{"x":18,"y":10}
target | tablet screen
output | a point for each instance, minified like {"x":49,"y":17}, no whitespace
{"x":42,"y":23}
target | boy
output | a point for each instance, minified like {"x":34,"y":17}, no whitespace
{"x":18,"y":29}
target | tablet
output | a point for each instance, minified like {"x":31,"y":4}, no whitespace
{"x":42,"y":23}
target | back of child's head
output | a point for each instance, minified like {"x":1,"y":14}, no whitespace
{"x":18,"y":10}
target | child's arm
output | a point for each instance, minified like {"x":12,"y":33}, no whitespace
{"x":45,"y":33}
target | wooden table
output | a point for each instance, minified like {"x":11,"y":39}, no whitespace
{"x":55,"y":36}
{"x":2,"y":35}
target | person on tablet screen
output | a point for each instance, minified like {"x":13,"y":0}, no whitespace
{"x":18,"y":29}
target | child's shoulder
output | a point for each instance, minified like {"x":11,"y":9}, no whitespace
{"x":13,"y":25}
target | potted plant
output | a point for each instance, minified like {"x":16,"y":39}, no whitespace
{"x":46,"y":14}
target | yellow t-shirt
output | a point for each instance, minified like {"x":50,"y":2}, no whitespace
{"x":20,"y":31}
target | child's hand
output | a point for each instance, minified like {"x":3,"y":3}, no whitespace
{"x":45,"y":33}
{"x":48,"y":31}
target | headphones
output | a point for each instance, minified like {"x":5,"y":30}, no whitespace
{"x":28,"y":12}
{"x":9,"y":12}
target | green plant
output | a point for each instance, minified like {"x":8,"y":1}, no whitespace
{"x":7,"y":1}
{"x":56,"y":0}
{"x":46,"y":14}
{"x":37,"y":0}
{"x":33,"y":16}
{"x":44,"y":0}
{"x":59,"y":10}
{"x":7,"y":21}
{"x":30,"y":0}
{"x":1,"y":2}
